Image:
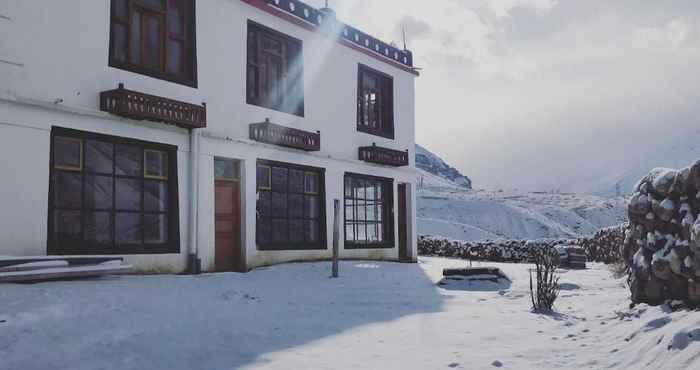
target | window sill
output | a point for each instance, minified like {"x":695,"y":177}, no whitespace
{"x":352,"y":246}
{"x":256,"y":104}
{"x":286,"y":247}
{"x":146,"y":72}
{"x":387,"y":135}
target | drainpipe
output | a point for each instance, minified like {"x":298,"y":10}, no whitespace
{"x":195,"y":263}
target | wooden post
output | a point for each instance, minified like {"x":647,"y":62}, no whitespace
{"x":336,"y":236}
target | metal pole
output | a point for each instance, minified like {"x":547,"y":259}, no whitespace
{"x":336,"y":236}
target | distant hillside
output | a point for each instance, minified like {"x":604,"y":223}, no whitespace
{"x":431,"y":163}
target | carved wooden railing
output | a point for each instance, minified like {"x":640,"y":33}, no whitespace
{"x":385,"y":156}
{"x":270,"y":133}
{"x":140,"y":106}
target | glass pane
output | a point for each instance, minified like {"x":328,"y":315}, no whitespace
{"x":296,"y":181}
{"x":155,"y":229}
{"x":349,"y":210}
{"x":67,"y":225}
{"x":348,"y":187}
{"x":369,"y":190}
{"x":263,"y":177}
{"x":296,"y":206}
{"x":129,"y":159}
{"x":135,"y":38}
{"x":361,"y":233}
{"x":313,"y":206}
{"x":175,"y":17}
{"x":226,"y":169}
{"x":156,"y":163}
{"x":119,"y":42}
{"x":120,"y":8}
{"x":279,"y":179}
{"x":153,"y":4}
{"x":155,"y":196}
{"x":67,"y":189}
{"x":380,"y":211}
{"x":360,"y":211}
{"x":370,"y":210}
{"x":98,"y":192}
{"x":358,"y":188}
{"x":129,"y":228}
{"x":372,"y":233}
{"x":378,"y":191}
{"x":264,"y":204}
{"x":99,"y":156}
{"x":296,"y":231}
{"x":312,"y":231}
{"x":128,"y":194}
{"x":155,"y":43}
{"x":380,"y":232}
{"x":174,"y":57}
{"x":67,"y":153}
{"x":311,"y":184}
{"x":264,"y":229}
{"x":98,"y":227}
{"x":279,"y":205}
{"x":349,"y":234}
{"x":279,"y":231}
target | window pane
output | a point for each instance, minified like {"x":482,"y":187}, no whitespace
{"x":369,"y":190}
{"x":67,"y":189}
{"x":263,"y":177}
{"x":120,"y":8}
{"x":175,"y":17}
{"x":135,"y":38}
{"x":296,"y":231}
{"x":155,"y":42}
{"x":226,"y":169}
{"x":119,"y":42}
{"x":372,"y":236}
{"x":349,"y":233}
{"x":361,"y":232}
{"x":67,"y":153}
{"x":279,"y":205}
{"x":156,"y":163}
{"x":264,"y":204}
{"x":98,"y":228}
{"x":155,"y":196}
{"x":313,"y":206}
{"x":279,"y":231}
{"x":296,"y":206}
{"x":348,"y":187}
{"x":98,"y":192}
{"x":349,"y":210}
{"x":129,"y":228}
{"x":311,"y":183}
{"x":129,"y":159}
{"x":155,"y":229}
{"x":312,"y":231}
{"x":128,"y":194}
{"x":359,"y":188}
{"x":175,"y":50}
{"x":264,"y":229}
{"x":296,"y":181}
{"x":99,"y":156}
{"x":67,"y":225}
{"x":370,"y":211}
{"x":360,"y":211}
{"x":279,"y":179}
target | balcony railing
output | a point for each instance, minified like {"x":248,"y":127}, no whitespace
{"x":385,"y":156}
{"x":270,"y":133}
{"x":140,"y":106}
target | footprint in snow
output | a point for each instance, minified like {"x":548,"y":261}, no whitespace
{"x":497,"y":364}
{"x":453,"y":365}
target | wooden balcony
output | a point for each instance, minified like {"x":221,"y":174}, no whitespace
{"x":385,"y":156}
{"x":140,"y":106}
{"x":270,"y":133}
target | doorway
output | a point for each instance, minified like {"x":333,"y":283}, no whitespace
{"x":404,"y":254}
{"x":229,"y":255}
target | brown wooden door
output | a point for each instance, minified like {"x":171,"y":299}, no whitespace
{"x":228,"y":251}
{"x":404,"y":256}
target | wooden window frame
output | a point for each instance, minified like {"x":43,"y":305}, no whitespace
{"x":386,"y":101}
{"x":146,"y":175}
{"x":82,"y":155}
{"x":321,"y":244}
{"x":387,"y":222}
{"x":235,"y":162}
{"x":189,"y":42}
{"x":84,"y":247}
{"x":286,"y":82}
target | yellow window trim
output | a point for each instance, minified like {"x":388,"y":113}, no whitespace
{"x":146,"y":175}
{"x":71,"y":168}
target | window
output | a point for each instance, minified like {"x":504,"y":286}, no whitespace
{"x":155,"y":38}
{"x":375,"y":103}
{"x":368,"y":212}
{"x":290,"y":207}
{"x":110,"y":195}
{"x":274,"y":71}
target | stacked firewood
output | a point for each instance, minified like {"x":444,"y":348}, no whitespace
{"x":605,"y":245}
{"x":662,"y":244}
{"x":516,"y":251}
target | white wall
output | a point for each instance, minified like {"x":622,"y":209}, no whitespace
{"x":60,"y":51}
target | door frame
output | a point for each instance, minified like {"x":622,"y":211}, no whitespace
{"x":403,"y":220}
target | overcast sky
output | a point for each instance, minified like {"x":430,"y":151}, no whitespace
{"x":549,"y":94}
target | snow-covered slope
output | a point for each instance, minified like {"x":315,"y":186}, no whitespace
{"x":431,"y":163}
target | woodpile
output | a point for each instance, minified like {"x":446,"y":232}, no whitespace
{"x":516,"y":251}
{"x":662,"y":244}
{"x":605,"y":246}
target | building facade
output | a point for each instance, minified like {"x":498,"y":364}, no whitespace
{"x":213,"y":135}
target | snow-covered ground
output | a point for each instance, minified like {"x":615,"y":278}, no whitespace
{"x":445,"y":209}
{"x":376,"y":316}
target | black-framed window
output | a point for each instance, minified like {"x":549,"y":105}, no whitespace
{"x":111,"y":195}
{"x":155,"y":38}
{"x":375,"y":102}
{"x":368,"y":212}
{"x":290,"y":207}
{"x":274,"y":72}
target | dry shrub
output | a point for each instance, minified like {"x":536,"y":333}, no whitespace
{"x":547,"y":289}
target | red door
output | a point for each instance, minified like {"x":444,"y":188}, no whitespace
{"x":228,"y":252}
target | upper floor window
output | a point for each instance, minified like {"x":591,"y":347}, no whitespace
{"x":274,"y":70}
{"x":154,"y":38}
{"x":375,"y":103}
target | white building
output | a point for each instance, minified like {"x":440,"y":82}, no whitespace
{"x":217,"y":133}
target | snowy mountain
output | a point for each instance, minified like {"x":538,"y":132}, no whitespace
{"x":431,"y":163}
{"x":447,"y":209}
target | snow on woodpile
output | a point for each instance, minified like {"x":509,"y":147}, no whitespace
{"x":663,"y":240}
{"x":605,"y":246}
